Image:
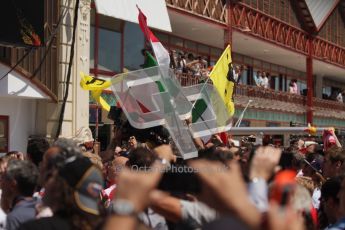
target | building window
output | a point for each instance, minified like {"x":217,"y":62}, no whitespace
{"x":134,"y":42}
{"x":4,"y":133}
{"x":108,"y":47}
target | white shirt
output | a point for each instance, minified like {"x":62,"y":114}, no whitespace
{"x":264,"y":82}
{"x":340,"y":97}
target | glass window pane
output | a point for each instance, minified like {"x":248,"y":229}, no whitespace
{"x":248,"y":61}
{"x":134,"y":42}
{"x":288,"y":84}
{"x":266,"y":66}
{"x":109,"y":50}
{"x":162,"y":37}
{"x":244,"y":76}
{"x":257,"y":63}
{"x":203,"y":49}
{"x":109,"y":23}
{"x":190,"y":45}
{"x":274,"y":68}
{"x":176,"y":41}
{"x":237,"y":57}
{"x":216,"y":52}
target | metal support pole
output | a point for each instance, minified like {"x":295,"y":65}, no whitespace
{"x":228,"y":30}
{"x":310,"y":83}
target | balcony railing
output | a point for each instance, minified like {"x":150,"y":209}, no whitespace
{"x":210,"y":9}
{"x":269,"y":28}
{"x":327,"y":104}
{"x":267,"y":94}
{"x":328,"y":51}
{"x":257,"y":92}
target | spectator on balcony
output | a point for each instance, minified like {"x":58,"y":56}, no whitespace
{"x":293,"y":87}
{"x":191,"y":61}
{"x":237,"y":73}
{"x":181,"y":63}
{"x":265,"y":80}
{"x":173,"y":59}
{"x":340,"y":97}
{"x":199,"y":67}
{"x":258,"y":78}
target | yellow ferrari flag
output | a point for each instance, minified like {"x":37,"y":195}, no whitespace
{"x":96,"y":86}
{"x":223,"y":79}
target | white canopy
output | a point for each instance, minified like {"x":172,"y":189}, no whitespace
{"x":15,"y":85}
{"x":155,"y":11}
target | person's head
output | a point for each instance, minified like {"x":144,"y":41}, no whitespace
{"x":237,"y":69}
{"x":297,"y":161}
{"x":36,"y":148}
{"x":259,"y":73}
{"x":286,"y":160}
{"x":221,"y":154}
{"x":115,"y":167}
{"x":333,"y":163}
{"x":141,"y":158}
{"x":132,"y":142}
{"x":55,"y":157}
{"x":74,"y":192}
{"x":329,"y":198}
{"x":190,"y":56}
{"x":313,"y":165}
{"x":311,"y":146}
{"x":143,"y":52}
{"x":19,"y":179}
{"x":300,"y":144}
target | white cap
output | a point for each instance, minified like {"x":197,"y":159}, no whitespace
{"x":83,"y":135}
{"x":308,"y":143}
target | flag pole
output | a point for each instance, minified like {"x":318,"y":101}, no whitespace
{"x":238,"y":123}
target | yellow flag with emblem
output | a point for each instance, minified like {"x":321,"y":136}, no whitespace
{"x":95,"y":85}
{"x":223,"y":79}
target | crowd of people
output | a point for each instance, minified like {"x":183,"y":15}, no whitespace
{"x":133,"y":185}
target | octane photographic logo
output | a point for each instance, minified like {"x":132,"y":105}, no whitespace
{"x":153,"y":96}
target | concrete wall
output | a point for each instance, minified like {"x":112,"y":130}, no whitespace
{"x":21,"y":114}
{"x":77,"y":106}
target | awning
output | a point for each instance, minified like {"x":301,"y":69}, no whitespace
{"x":15,"y":85}
{"x":155,"y":11}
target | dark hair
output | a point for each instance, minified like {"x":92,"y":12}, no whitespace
{"x":66,"y":149}
{"x":286,"y":160}
{"x":331,"y":188}
{"x":336,"y":154}
{"x":25,"y":173}
{"x":36,"y":148}
{"x":61,"y":199}
{"x":216,"y":154}
{"x":190,"y":56}
{"x":141,"y":157}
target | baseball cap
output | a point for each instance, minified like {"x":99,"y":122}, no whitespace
{"x":86,"y":180}
{"x":315,"y":164}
